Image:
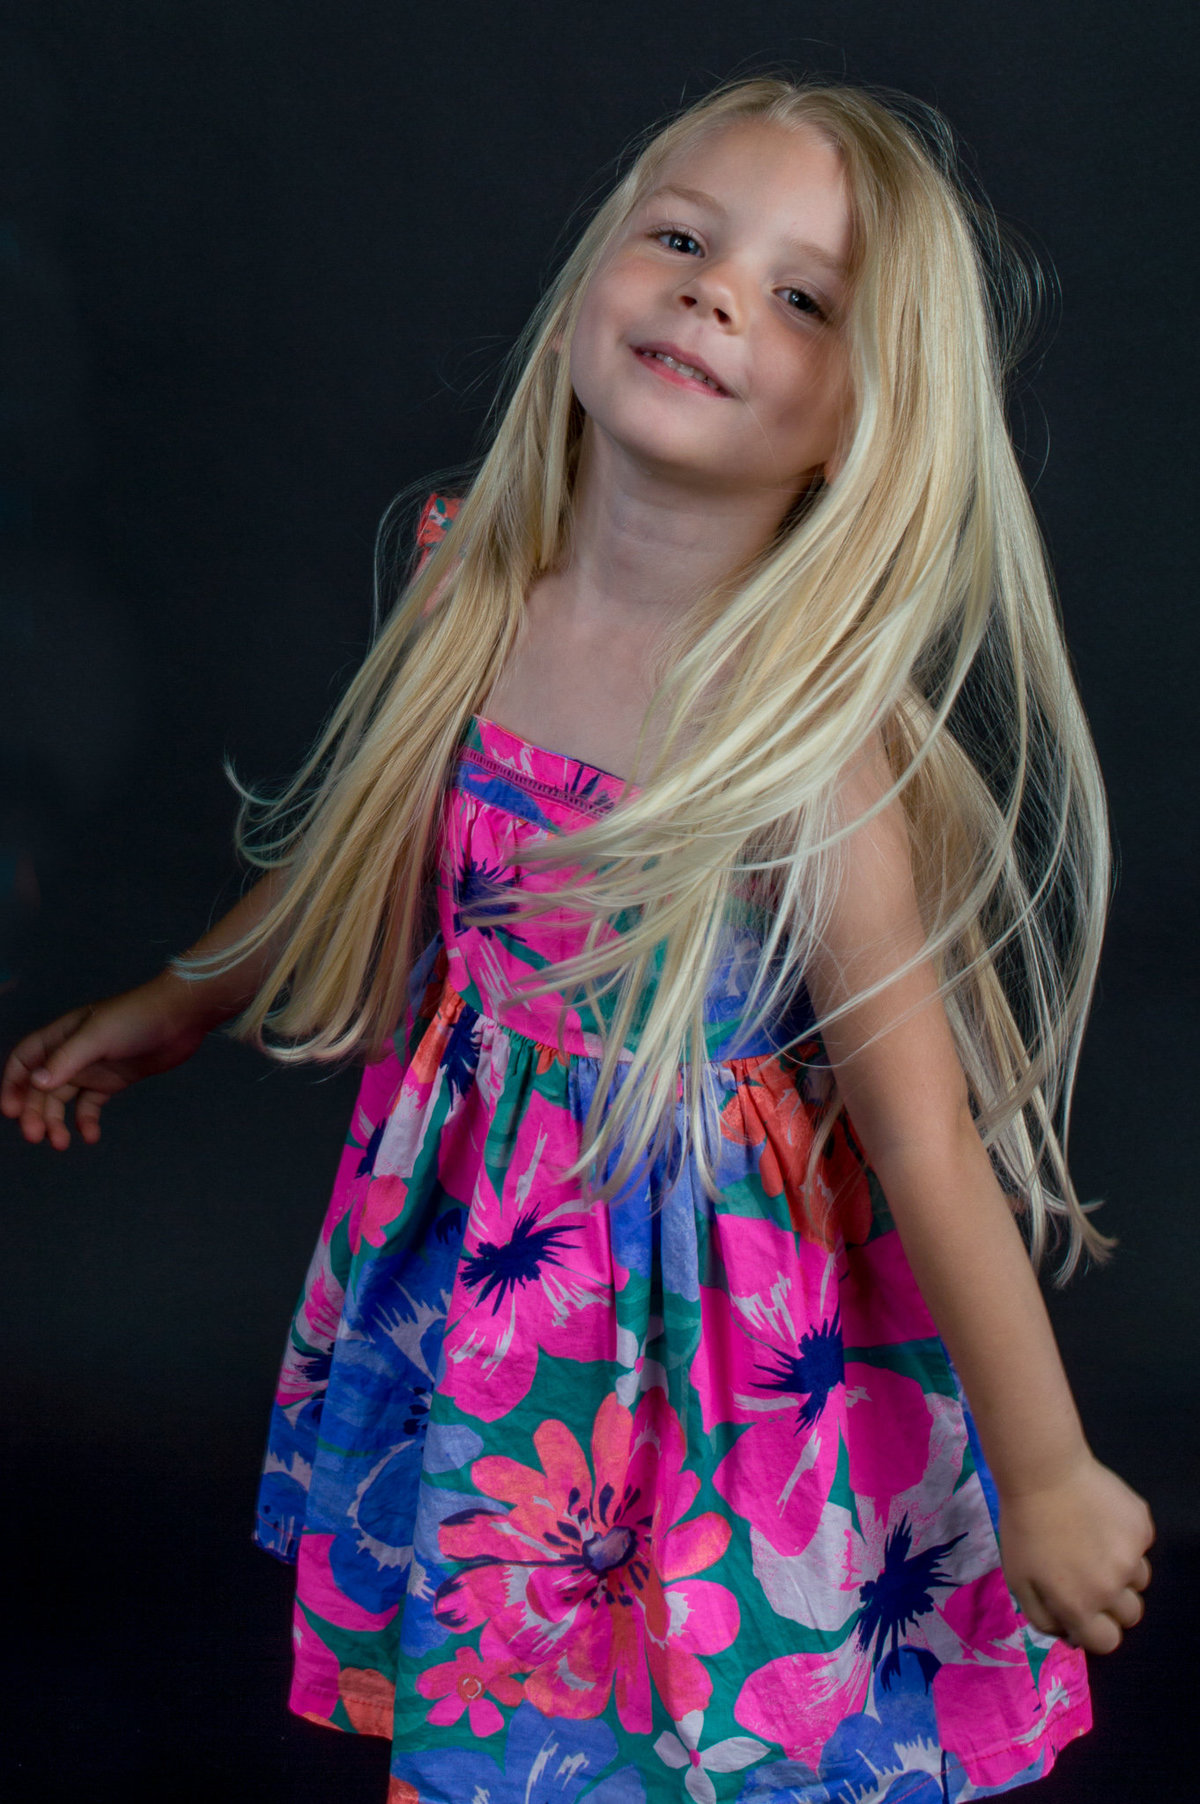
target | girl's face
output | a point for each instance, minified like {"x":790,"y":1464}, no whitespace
{"x":735,"y":269}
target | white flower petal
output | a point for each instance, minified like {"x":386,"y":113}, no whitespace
{"x":691,"y":1728}
{"x":671,"y":1750}
{"x":818,"y":1587}
{"x":626,"y":1388}
{"x":809,"y":1456}
{"x":732,"y":1755}
{"x":698,"y":1785}
{"x":934,"y":1632}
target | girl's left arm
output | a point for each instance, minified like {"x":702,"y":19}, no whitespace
{"x":1073,"y":1536}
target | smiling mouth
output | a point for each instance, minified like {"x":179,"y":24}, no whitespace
{"x":687,"y":373}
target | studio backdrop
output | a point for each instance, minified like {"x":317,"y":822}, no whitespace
{"x":260,"y":264}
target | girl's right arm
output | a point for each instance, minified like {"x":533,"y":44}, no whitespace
{"x":93,"y":1052}
{"x":1072,"y":1535}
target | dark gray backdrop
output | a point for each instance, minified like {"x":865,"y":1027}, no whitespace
{"x":258,"y":263}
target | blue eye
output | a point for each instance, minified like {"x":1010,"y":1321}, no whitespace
{"x":676,"y":238}
{"x":669,"y":232}
{"x":807,"y":302}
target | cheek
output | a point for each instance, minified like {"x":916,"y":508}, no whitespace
{"x":582,"y":360}
{"x":592,"y":336}
{"x":813,"y":389}
{"x":617,"y":298}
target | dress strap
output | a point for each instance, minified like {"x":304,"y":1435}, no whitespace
{"x":434,"y":523}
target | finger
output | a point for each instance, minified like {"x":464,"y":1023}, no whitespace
{"x":87,"y":1114}
{"x":32,"y":1053}
{"x":1128,"y":1609}
{"x":33,"y":1118}
{"x":32,"y":1125}
{"x":42,"y":1118}
{"x":21,"y":1062}
{"x":13,"y":1085}
{"x":57,"y":1131}
{"x":65,"y":1048}
{"x":1141,"y":1577}
{"x":1099,"y":1634}
{"x":1038,"y":1611}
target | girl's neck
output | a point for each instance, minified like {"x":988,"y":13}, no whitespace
{"x":582,"y":674}
{"x":646,"y":544}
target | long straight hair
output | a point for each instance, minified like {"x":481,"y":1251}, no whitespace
{"x":910,"y":598}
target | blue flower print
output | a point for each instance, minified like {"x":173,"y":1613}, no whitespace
{"x":901,"y":1593}
{"x":283,"y":1492}
{"x":447,"y":1448}
{"x":460,"y":1060}
{"x":479,"y":899}
{"x":817,"y":1368}
{"x":389,"y":1345}
{"x":653,"y":1220}
{"x":366,"y":1164}
{"x":497,"y":1271}
{"x":545,"y":1762}
{"x":890,"y":1758}
{"x":488,"y":785}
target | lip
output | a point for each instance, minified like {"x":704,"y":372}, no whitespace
{"x":682,"y":356}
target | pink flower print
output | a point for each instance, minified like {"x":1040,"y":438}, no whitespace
{"x":460,"y":1684}
{"x":319,"y":1675}
{"x":588,"y":1580}
{"x":317,"y":1590}
{"x":778,"y":1354}
{"x":539,"y":1252}
{"x":316,"y":1672}
{"x":305,"y":1368}
{"x":988,"y":1699}
{"x":683,"y":1749}
{"x":869,"y":1581}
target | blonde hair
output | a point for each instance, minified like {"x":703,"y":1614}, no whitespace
{"x":909,"y":597}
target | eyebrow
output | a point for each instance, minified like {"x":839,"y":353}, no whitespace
{"x":699,"y":198}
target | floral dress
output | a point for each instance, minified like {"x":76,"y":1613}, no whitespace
{"x":670,"y":1499}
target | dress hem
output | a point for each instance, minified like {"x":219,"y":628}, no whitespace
{"x":267,"y":1540}
{"x":1071,"y":1725}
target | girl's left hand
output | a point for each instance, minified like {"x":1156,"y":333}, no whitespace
{"x":1074,"y":1555}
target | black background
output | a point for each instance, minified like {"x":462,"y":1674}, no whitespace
{"x":258,"y":264}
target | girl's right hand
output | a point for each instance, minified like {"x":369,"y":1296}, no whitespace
{"x":1074,"y":1555}
{"x":93,"y":1052}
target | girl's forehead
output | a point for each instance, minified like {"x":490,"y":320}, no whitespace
{"x":790,"y":179}
{"x":751,"y":149}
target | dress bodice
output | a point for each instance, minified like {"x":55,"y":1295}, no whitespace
{"x":506,"y":791}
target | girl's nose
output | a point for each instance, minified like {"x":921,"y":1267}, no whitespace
{"x":712,"y":291}
{"x":719,"y":313}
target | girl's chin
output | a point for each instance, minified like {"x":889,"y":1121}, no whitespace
{"x":678,"y":455}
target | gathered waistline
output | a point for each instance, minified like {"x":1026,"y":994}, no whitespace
{"x":451,"y":1004}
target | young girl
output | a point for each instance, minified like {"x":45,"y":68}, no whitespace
{"x":671,"y":1410}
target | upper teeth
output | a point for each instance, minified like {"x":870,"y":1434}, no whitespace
{"x":685,"y":369}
